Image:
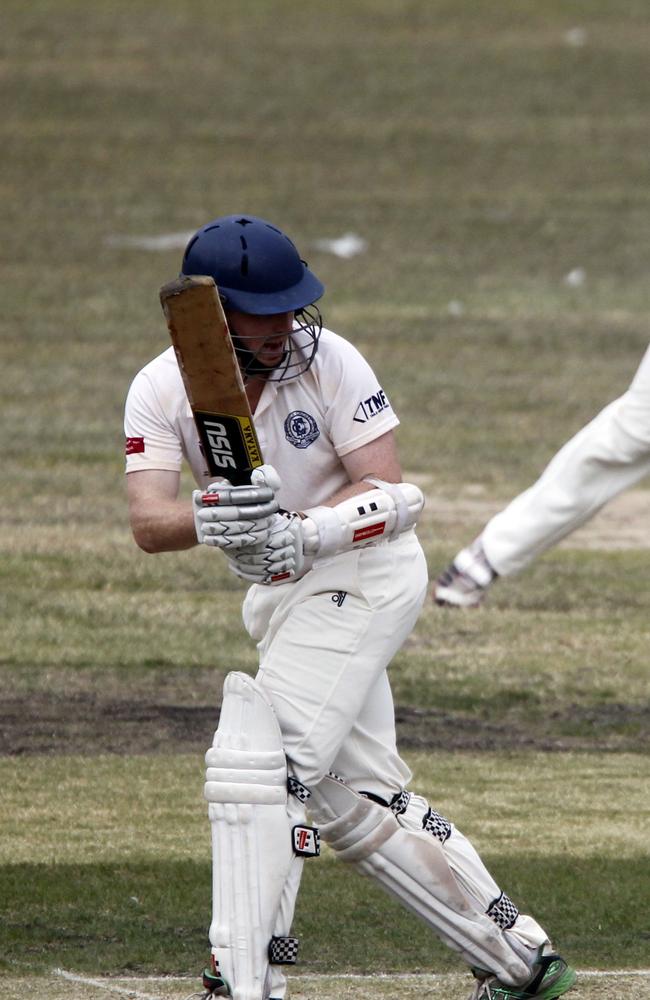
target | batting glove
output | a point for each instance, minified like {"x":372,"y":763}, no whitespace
{"x":278,"y":558}
{"x":233,"y":517}
{"x":464,"y":583}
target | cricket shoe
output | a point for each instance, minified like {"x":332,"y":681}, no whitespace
{"x":213,"y":982}
{"x":551,"y":978}
{"x":464,"y":582}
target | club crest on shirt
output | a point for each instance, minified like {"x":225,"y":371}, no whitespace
{"x":300,"y":429}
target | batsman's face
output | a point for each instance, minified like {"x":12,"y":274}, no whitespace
{"x":264,"y":336}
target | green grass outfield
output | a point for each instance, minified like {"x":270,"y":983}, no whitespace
{"x":114,"y":872}
{"x":485,"y":152}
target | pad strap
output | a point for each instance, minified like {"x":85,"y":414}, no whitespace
{"x":402,"y":513}
{"x":295,"y":787}
{"x":283,"y":950}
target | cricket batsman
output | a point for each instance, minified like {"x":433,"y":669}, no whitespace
{"x":324,"y":535}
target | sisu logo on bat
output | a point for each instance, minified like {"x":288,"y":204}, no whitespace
{"x":228,"y":442}
{"x":219,"y":446}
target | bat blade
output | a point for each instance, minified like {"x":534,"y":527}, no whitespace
{"x":211,"y":376}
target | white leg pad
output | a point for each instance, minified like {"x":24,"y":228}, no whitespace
{"x":246,"y":788}
{"x":412,"y":866}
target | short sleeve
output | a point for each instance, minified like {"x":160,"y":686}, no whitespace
{"x":151,"y":440}
{"x":359,"y":410}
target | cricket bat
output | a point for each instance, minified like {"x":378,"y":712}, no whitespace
{"x":211,"y":376}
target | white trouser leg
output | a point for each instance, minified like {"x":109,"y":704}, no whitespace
{"x":325,"y":653}
{"x":323,"y":666}
{"x":433,"y":870}
{"x":610,"y":454}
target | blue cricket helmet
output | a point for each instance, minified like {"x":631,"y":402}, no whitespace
{"x":256,"y":267}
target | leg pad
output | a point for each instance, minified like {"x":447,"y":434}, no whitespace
{"x":410,"y":856}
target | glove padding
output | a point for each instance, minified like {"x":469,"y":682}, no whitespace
{"x":231,"y":517}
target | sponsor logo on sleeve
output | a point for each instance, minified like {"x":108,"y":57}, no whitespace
{"x":134,"y":446}
{"x":370,"y":407}
{"x":300,"y":429}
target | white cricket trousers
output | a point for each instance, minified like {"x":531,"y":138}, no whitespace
{"x":325,"y":645}
{"x":326,"y":641}
{"x":610,"y":454}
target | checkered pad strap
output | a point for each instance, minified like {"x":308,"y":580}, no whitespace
{"x":295,"y":787}
{"x":283,"y":950}
{"x":503,"y":911}
{"x":399,"y":802}
{"x":436,"y":825}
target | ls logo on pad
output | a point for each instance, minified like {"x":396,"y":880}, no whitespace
{"x":300,"y":429}
{"x":370,"y":407}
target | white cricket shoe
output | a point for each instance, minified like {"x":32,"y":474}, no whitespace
{"x":464,"y":582}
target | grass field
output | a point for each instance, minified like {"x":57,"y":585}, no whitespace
{"x":494,"y":158}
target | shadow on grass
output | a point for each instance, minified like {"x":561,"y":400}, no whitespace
{"x":146,"y":917}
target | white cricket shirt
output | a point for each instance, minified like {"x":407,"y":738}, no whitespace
{"x":305,"y":425}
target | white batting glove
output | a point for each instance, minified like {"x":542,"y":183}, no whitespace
{"x":464,"y":583}
{"x":278,"y":558}
{"x":232,"y":517}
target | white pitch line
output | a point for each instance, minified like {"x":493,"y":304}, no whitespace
{"x":616,"y":973}
{"x":112,"y":987}
{"x":104,"y":985}
{"x":584,"y":973}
